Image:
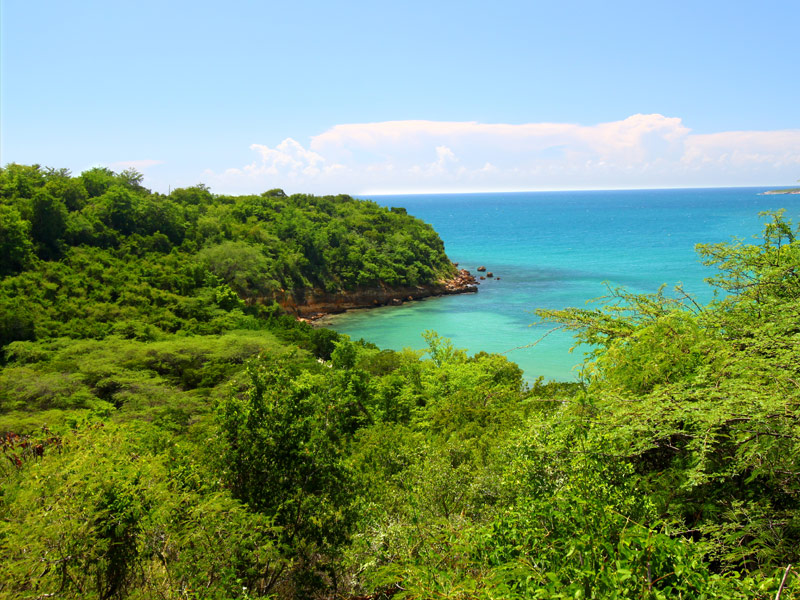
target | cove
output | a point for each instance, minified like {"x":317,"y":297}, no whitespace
{"x":558,"y":249}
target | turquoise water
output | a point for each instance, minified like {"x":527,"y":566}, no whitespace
{"x":553,"y":250}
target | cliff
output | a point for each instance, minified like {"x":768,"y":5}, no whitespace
{"x":314,"y":303}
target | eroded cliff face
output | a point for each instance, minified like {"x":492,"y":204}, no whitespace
{"x":313,"y":303}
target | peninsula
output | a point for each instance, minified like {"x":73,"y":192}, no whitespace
{"x":786,"y":191}
{"x":176,"y":261}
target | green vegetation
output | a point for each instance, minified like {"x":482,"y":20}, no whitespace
{"x":169,"y":433}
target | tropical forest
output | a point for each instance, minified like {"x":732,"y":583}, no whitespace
{"x":171,"y":429}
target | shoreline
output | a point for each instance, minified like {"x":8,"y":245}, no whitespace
{"x":776,"y":192}
{"x":314,"y":304}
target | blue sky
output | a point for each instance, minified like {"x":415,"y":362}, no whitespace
{"x":370,"y":97}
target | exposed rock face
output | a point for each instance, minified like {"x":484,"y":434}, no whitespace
{"x":462,"y":283}
{"x":481,"y":268}
{"x":313,"y":303}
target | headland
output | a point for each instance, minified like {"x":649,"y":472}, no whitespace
{"x":787,"y":191}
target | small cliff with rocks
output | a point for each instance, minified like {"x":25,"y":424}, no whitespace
{"x":314,"y":303}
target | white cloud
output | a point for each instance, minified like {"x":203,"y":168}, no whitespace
{"x":746,"y":149}
{"x":289,"y":164}
{"x":288,"y":157}
{"x":414,"y":156}
{"x":446,"y":161}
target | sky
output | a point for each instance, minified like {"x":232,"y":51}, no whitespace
{"x":405,"y":97}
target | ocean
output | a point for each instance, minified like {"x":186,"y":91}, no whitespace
{"x":555,"y":250}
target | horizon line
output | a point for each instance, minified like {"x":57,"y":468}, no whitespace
{"x":552,"y":190}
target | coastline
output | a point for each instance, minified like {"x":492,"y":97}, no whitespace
{"x":774,"y":192}
{"x":310,"y":305}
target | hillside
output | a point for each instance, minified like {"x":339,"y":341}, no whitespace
{"x":168,"y":431}
{"x":195,"y":252}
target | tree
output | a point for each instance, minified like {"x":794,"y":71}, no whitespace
{"x":48,"y":224}
{"x":241,"y":266}
{"x":196,"y":195}
{"x":132,"y":179}
{"x":68,"y":189}
{"x":120,"y":209}
{"x":20,"y":181}
{"x":282,"y":453}
{"x":98,"y":180}
{"x":16,"y":248}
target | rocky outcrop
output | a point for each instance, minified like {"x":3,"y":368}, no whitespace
{"x":314,"y":303}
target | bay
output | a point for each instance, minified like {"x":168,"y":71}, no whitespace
{"x":554,"y":250}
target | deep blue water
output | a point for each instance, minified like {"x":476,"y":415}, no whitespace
{"x":556,"y":249}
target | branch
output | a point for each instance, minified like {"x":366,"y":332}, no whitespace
{"x":536,"y":342}
{"x":783,"y":582}
{"x":679,"y":288}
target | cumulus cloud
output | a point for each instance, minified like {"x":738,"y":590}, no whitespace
{"x":287,"y":157}
{"x":288,"y":164}
{"x":415,"y":156}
